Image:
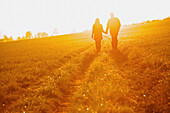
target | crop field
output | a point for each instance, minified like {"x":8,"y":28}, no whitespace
{"x":65,"y":74}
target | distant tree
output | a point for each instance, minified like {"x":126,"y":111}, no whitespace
{"x":168,"y":18}
{"x":39,"y":35}
{"x":35,"y":36}
{"x":19,"y":38}
{"x":5,"y":37}
{"x":28,"y":35}
{"x":147,"y":21}
{"x":1,"y":40}
{"x":22,"y":38}
{"x":55,"y":32}
{"x":10,"y":38}
{"x":154,"y":20}
{"x":44,"y":34}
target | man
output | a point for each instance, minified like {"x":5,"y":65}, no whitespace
{"x":113,"y":25}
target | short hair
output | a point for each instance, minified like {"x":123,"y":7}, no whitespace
{"x":111,"y":14}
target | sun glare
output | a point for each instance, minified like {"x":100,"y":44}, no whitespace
{"x":79,"y":56}
{"x":68,"y":16}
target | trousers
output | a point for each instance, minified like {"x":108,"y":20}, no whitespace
{"x":114,"y":41}
{"x":98,"y":45}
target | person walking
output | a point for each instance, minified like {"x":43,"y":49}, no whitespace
{"x":113,"y":25}
{"x":97,"y":31}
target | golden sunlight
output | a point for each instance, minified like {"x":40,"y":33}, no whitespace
{"x":84,"y":56}
{"x":67,"y":16}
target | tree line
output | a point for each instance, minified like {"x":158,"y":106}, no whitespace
{"x":28,"y":35}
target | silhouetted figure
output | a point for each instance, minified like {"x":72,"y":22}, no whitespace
{"x":97,"y":31}
{"x":113,"y":25}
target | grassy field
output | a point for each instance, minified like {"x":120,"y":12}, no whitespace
{"x":65,"y":74}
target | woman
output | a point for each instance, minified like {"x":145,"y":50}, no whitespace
{"x":97,"y":31}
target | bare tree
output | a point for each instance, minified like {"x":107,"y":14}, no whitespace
{"x":44,"y":34}
{"x":39,"y":35}
{"x":5,"y":37}
{"x":19,"y":38}
{"x":23,"y":38}
{"x":35,"y":36}
{"x":28,"y":35}
{"x":10,"y":38}
{"x":55,"y":32}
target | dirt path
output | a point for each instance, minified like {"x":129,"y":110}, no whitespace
{"x":77,"y":82}
{"x":87,"y":60}
{"x":65,"y":105}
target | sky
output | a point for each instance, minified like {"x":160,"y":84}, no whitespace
{"x":19,"y":16}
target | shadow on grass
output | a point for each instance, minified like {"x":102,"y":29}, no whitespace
{"x":118,"y":57}
{"x":87,"y":61}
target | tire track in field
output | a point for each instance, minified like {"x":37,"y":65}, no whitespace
{"x":120,"y":55}
{"x":68,"y":57}
{"x":44,"y":79}
{"x":87,"y":60}
{"x":77,"y":82}
{"x":63,"y":61}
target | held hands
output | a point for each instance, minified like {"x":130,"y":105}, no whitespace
{"x":105,"y":32}
{"x":92,"y":36}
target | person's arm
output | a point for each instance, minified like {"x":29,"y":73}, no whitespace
{"x":103,"y":30}
{"x":92,"y":32}
{"x":107,"y":28}
{"x":119,"y":24}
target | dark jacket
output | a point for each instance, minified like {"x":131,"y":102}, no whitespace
{"x":97,"y":31}
{"x":114,"y":25}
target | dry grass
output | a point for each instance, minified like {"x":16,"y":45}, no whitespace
{"x":64,"y":73}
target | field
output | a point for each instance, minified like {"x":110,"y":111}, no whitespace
{"x":65,"y":74}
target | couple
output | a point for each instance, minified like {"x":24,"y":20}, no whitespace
{"x":113,"y":25}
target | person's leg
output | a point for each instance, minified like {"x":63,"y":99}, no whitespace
{"x":99,"y":45}
{"x":113,"y":42}
{"x":96,"y":45}
{"x":116,"y":44}
{"x":116,"y":41}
